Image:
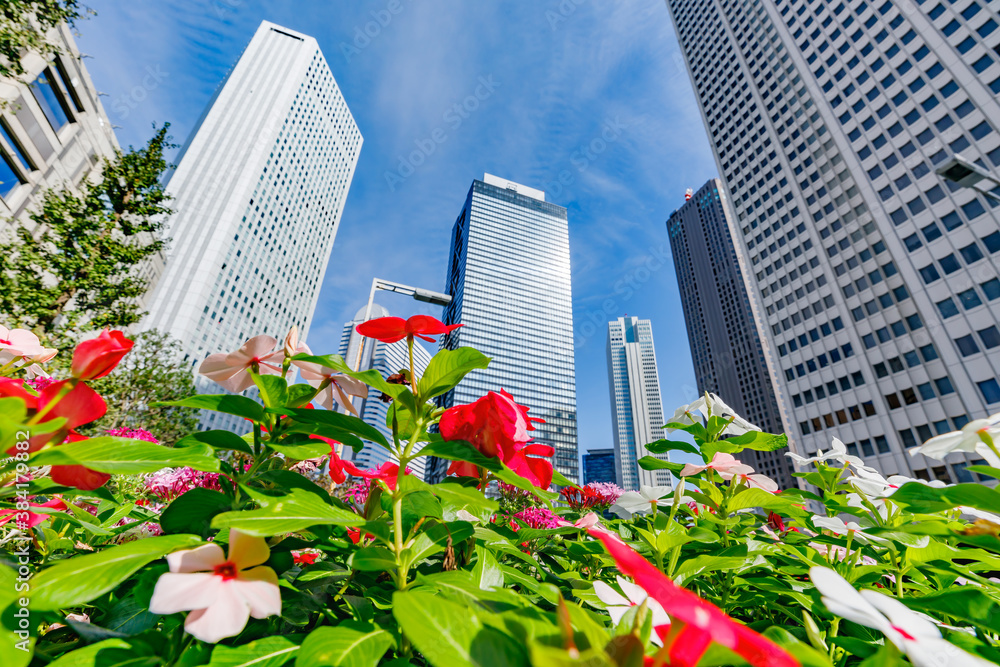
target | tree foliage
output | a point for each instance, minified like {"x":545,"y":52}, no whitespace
{"x":153,"y":371}
{"x":23,"y":27}
{"x":79,"y":263}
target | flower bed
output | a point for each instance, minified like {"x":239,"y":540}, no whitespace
{"x":274,"y":549}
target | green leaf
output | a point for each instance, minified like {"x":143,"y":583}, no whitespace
{"x":192,"y":512}
{"x":511,"y":477}
{"x":216,"y":440}
{"x":373,"y":559}
{"x":653,"y":463}
{"x":296,"y":511}
{"x":267,"y":652}
{"x":348,"y":644}
{"x":757,"y":498}
{"x":346,"y":423}
{"x":452,"y":635}
{"x":82,"y":578}
{"x":230,"y":404}
{"x":964,"y":603}
{"x":985,"y":470}
{"x":310,"y":449}
{"x":125,"y":456}
{"x":758,"y":441}
{"x":107,"y":653}
{"x":459,"y":450}
{"x":664,"y":446}
{"x":447,"y":369}
{"x":922,"y":499}
{"x":456,"y":497}
{"x":273,"y":389}
{"x":487,"y":571}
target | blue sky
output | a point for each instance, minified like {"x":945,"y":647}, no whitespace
{"x":562,"y":73}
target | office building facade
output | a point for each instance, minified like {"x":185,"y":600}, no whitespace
{"x":878,"y":278}
{"x":509,"y":278}
{"x":599,"y":466}
{"x":258,"y":193}
{"x":636,"y":406}
{"x":726,"y":348}
{"x":388,"y":359}
{"x":54,"y":132}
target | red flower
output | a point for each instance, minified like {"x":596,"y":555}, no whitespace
{"x":699,"y":622}
{"x":75,"y":401}
{"x":497,"y":426}
{"x":304,"y":557}
{"x":97,"y":357}
{"x":339,"y":469}
{"x":392,"y":329}
{"x":77,"y":476}
{"x":33,"y":519}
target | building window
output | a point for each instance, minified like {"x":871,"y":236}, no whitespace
{"x":50,"y":100}
{"x":10,"y":179}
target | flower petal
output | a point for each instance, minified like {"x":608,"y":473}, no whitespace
{"x":259,"y":588}
{"x":610,"y":596}
{"x":176,"y":592}
{"x":201,"y":559}
{"x":225,"y":617}
{"x":247,"y":551}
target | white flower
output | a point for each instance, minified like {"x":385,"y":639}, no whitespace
{"x":838,"y":453}
{"x":221,"y":594}
{"x":912,"y":633}
{"x":641,"y":501}
{"x":618,"y":604}
{"x":837,"y":525}
{"x":711,"y":405}
{"x":972,"y":438}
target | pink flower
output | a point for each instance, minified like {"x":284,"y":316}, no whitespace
{"x":584,"y":523}
{"x":221,"y":593}
{"x":169,"y":483}
{"x":724,"y":464}
{"x":338,"y":386}
{"x":134,"y":434}
{"x":22,"y":343}
{"x":230,"y":370}
{"x":95,"y":358}
{"x":536,"y":517}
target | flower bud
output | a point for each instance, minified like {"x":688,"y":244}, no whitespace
{"x":97,"y":357}
{"x":292,"y":341}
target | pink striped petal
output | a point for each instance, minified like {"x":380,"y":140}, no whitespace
{"x":176,"y":592}
{"x":226,"y":617}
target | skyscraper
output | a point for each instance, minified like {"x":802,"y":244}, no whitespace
{"x":258,"y":194}
{"x":599,"y":466}
{"x":509,"y":278}
{"x":878,"y":279}
{"x":636,"y":407}
{"x":387,"y":359}
{"x":54,"y":131}
{"x":726,"y":348}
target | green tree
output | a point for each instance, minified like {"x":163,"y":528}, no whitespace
{"x":79,"y":264}
{"x":153,"y":371}
{"x":23,"y":27}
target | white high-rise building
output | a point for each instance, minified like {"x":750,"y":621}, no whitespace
{"x":878,"y":278}
{"x":258,"y":194}
{"x":636,"y":406}
{"x":388,"y":359}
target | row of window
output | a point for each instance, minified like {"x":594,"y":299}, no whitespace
{"x":829,"y":389}
{"x":895,"y":364}
{"x":949,"y":263}
{"x":822,"y":361}
{"x":989,"y":338}
{"x":817,"y":424}
{"x":925,"y":389}
{"x":825,"y":329}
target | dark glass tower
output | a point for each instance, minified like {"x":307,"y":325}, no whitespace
{"x":599,"y":466}
{"x":509,"y":276}
{"x":725,"y":345}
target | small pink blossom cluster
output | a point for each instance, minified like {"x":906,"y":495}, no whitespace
{"x":134,"y":434}
{"x":40,"y":382}
{"x":358,"y":493}
{"x":536,"y":517}
{"x":608,"y":490}
{"x":172,"y":482}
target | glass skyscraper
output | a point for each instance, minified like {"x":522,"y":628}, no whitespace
{"x":878,"y":278}
{"x":636,"y":406}
{"x":387,"y":359}
{"x":509,"y":278}
{"x":726,"y":347}
{"x":258,"y":193}
{"x":599,"y":466}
